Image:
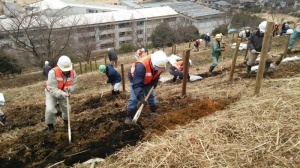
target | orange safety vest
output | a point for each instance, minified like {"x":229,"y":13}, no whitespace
{"x":60,"y":80}
{"x":178,"y":65}
{"x":148,"y":75}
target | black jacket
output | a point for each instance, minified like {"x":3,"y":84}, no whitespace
{"x":112,"y":56}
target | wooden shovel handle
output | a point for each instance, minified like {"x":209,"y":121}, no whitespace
{"x":137,"y":114}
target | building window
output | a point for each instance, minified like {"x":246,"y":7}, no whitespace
{"x":141,"y":23}
{"x":122,"y":34}
{"x":6,"y":45}
{"x":3,"y":36}
{"x":140,"y":32}
{"x":91,"y":11}
{"x":106,"y":36}
{"x":106,"y":27}
{"x":87,"y":39}
{"x":123,"y":25}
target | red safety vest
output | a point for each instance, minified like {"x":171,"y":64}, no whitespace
{"x":60,"y":80}
{"x":178,"y":65}
{"x":148,"y":75}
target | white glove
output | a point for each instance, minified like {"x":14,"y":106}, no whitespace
{"x":69,"y":89}
{"x":64,"y":94}
{"x":253,"y":51}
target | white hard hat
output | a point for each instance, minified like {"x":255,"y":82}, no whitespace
{"x":200,"y":40}
{"x":46,"y":62}
{"x":262,"y":26}
{"x":247,"y":30}
{"x":289,"y":31}
{"x":108,"y":49}
{"x":207,"y":34}
{"x":64,"y":63}
{"x":143,"y":49}
{"x":190,"y":61}
{"x":159,"y":60}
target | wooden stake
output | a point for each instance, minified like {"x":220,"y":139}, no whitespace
{"x":234,"y":58}
{"x":123,"y":77}
{"x":185,"y":71}
{"x":263,"y":57}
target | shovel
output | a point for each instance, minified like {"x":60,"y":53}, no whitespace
{"x":69,"y":124}
{"x":138,"y":113}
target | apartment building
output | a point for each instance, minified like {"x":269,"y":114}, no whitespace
{"x":110,"y":29}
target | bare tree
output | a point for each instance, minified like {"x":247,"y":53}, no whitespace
{"x":86,"y":41}
{"x":44,"y":37}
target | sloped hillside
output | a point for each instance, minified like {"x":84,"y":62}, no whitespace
{"x":218,"y":122}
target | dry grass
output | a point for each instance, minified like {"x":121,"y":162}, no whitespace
{"x":256,"y":131}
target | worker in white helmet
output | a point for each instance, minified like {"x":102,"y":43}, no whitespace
{"x":177,"y":70}
{"x":46,"y":69}
{"x":113,"y":58}
{"x":197,"y":44}
{"x":61,"y":82}
{"x":143,"y":75}
{"x":255,"y":46}
{"x":139,"y":53}
{"x":207,"y":40}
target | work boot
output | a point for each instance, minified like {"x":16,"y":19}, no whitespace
{"x":248,"y":72}
{"x":128,"y":118}
{"x":117,"y":92}
{"x":211,"y":68}
{"x":113,"y":92}
{"x":153,"y":110}
{"x":189,"y":78}
{"x":50,"y":128}
{"x":267,"y":67}
{"x":174,"y":78}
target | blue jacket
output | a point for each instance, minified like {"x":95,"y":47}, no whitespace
{"x":138,"y":79}
{"x":207,"y":38}
{"x":112,"y":75}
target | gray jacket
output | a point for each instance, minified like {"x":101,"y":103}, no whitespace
{"x":53,"y":86}
{"x":112,"y":56}
{"x":255,"y":42}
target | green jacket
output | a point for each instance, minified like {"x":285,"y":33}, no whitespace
{"x":216,"y":49}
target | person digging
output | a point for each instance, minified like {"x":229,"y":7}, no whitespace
{"x":61,"y":82}
{"x":113,"y":77}
{"x":143,"y":75}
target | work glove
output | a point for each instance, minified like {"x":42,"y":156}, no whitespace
{"x":141,"y":98}
{"x":253,"y":51}
{"x":154,"y":83}
{"x":64,"y":94}
{"x":69,"y":89}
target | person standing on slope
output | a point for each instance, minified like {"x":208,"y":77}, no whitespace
{"x":61,"y":82}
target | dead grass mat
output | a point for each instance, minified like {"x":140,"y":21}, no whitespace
{"x":257,"y":131}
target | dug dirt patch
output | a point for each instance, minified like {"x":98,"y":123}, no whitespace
{"x":95,"y":131}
